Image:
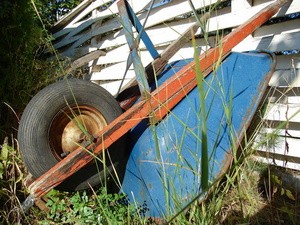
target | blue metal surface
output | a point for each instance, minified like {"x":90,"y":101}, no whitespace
{"x":163,"y":171}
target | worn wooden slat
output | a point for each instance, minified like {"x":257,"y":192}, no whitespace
{"x":74,"y":12}
{"x":287,"y":69}
{"x":72,"y":29}
{"x":283,"y":112}
{"x":282,"y":146}
{"x":113,"y":86}
{"x":76,"y":27}
{"x":120,"y":54}
{"x":285,"y":161}
{"x":230,"y":20}
{"x":94,"y":5}
{"x":278,"y":92}
{"x":288,"y":77}
{"x":111,"y":74}
{"x":84,"y":60}
{"x":239,"y":5}
{"x":278,"y":28}
{"x":277,"y":124}
{"x":288,"y":61}
{"x":279,"y":42}
{"x":157,"y":16}
{"x":170,"y":33}
{"x":219,"y":22}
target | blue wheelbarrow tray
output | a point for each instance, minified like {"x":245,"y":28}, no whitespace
{"x":163,"y":172}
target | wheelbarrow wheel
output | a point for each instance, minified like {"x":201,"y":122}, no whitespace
{"x":63,"y":116}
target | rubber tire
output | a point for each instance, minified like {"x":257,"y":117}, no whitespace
{"x":33,"y":133}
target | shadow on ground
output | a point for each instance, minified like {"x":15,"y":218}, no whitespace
{"x":275,"y":199}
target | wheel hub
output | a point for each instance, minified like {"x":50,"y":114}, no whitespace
{"x":73,"y":126}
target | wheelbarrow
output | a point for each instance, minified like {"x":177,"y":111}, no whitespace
{"x":166,"y":127}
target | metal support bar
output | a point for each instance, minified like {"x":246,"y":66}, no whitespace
{"x":162,"y":100}
{"x":140,"y":29}
{"x":133,"y":46}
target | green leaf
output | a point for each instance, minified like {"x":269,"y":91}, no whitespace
{"x":1,"y":170}
{"x":276,"y":179}
{"x":282,"y":191}
{"x":4,"y":152}
{"x":290,"y":195}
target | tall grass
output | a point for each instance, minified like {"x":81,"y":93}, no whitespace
{"x":13,"y":189}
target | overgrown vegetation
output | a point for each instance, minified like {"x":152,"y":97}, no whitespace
{"x":23,"y":69}
{"x":97,"y":207}
{"x":253,"y":193}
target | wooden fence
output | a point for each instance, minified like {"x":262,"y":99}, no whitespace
{"x":92,"y":35}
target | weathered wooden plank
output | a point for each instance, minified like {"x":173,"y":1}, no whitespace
{"x":284,"y":146}
{"x":233,"y":19}
{"x":239,"y":5}
{"x":250,"y":44}
{"x":169,"y":32}
{"x":157,"y":16}
{"x":120,"y":54}
{"x":94,"y":5}
{"x":66,"y":19}
{"x":284,"y":95}
{"x":74,"y":28}
{"x":284,"y":130}
{"x":84,"y":60}
{"x":278,"y":160}
{"x":287,"y":78}
{"x":291,"y":61}
{"x":115,"y":73}
{"x":283,"y":112}
{"x":114,"y":86}
{"x":277,"y":124}
{"x":287,"y":92}
{"x":278,"y":28}
{"x":279,"y":42}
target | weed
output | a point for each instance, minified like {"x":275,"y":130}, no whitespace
{"x":99,"y":207}
{"x":12,"y":183}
